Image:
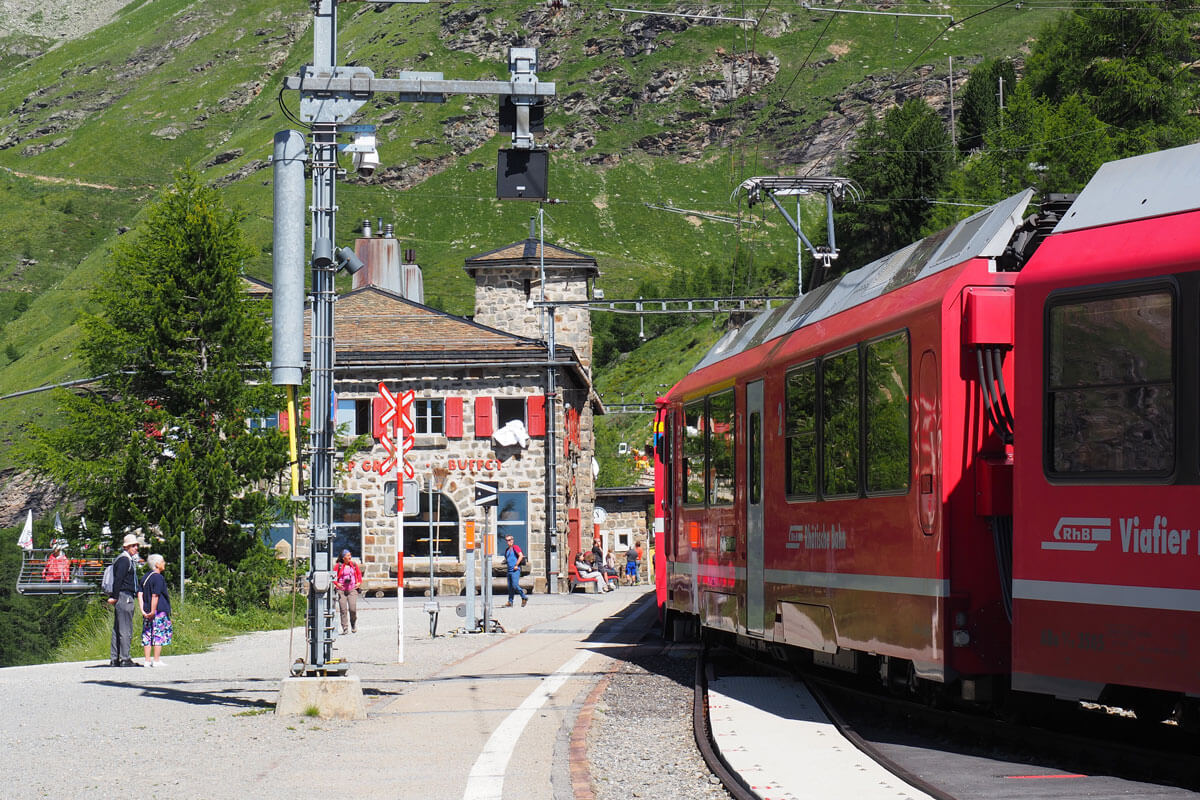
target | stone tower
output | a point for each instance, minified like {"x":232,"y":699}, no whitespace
{"x":508,"y":281}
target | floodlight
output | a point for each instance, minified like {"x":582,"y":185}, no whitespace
{"x":348,"y":261}
{"x":322,"y":257}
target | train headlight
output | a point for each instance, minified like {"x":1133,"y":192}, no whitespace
{"x":961,"y":638}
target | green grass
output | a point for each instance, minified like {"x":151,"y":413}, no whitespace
{"x":96,"y":111}
{"x":196,"y":628}
{"x":639,"y":377}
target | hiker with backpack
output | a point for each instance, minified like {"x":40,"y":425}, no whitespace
{"x":123,"y":596}
{"x":513,"y":559}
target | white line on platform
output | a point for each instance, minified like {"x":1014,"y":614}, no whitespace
{"x":486,"y":781}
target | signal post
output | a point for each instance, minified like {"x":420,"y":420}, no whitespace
{"x":330,"y":95}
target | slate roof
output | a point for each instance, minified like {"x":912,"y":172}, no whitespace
{"x":374,"y":326}
{"x":255,"y":288}
{"x":530,"y":253}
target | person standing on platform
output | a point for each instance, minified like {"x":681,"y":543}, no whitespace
{"x":156,"y":611}
{"x":631,"y":565}
{"x":124,"y":597}
{"x":514,"y":558}
{"x":347,"y":577}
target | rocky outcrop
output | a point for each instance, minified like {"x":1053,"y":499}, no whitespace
{"x":21,"y":492}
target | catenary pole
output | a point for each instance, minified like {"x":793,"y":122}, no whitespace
{"x":329,"y":96}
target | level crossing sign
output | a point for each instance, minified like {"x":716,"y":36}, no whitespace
{"x":398,"y":409}
{"x":485,"y":493}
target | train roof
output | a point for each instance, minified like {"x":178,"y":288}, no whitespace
{"x":1140,"y":187}
{"x":981,"y":235}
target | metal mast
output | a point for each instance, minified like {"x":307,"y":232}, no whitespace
{"x":329,"y":96}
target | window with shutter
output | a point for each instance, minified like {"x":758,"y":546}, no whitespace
{"x":285,"y":421}
{"x":378,"y":407}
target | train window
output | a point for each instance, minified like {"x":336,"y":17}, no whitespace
{"x":720,"y":448}
{"x":694,"y":489}
{"x":887,"y":404}
{"x":1110,"y":386}
{"x":753,"y":451}
{"x":840,"y":424}
{"x":802,"y":432}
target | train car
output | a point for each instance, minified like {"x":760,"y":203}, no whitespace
{"x":1106,"y":588}
{"x":838,"y":475}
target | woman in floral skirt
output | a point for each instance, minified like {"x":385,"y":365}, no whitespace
{"x":156,"y":611}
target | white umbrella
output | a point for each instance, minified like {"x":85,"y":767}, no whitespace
{"x":26,"y":540}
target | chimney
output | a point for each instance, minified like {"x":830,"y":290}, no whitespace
{"x":385,"y":269}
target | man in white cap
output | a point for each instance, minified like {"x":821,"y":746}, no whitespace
{"x":125,"y":596}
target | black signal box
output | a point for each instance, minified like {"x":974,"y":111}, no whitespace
{"x":522,"y":174}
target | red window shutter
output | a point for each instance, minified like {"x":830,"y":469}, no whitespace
{"x":454,"y":417}
{"x":536,"y":408}
{"x":483,"y":417}
{"x":378,"y":407}
{"x":286,"y":421}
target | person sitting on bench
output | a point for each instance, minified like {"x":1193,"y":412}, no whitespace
{"x":58,"y":566}
{"x":588,"y":572}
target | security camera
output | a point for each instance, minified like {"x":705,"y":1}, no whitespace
{"x":363,"y":154}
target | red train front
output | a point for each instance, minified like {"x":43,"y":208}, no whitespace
{"x":839,"y":475}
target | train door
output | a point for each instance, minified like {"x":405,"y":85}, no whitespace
{"x":754,"y":508}
{"x":929,"y":450}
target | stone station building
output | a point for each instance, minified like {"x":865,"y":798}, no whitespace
{"x":481,"y":413}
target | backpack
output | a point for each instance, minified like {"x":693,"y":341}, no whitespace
{"x":106,"y":580}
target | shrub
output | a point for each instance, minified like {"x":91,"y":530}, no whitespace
{"x":237,"y":589}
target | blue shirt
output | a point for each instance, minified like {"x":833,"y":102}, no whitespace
{"x":511,"y":555}
{"x":156,"y":584}
{"x":124,"y":575}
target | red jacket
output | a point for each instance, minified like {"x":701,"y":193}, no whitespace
{"x":57,"y":569}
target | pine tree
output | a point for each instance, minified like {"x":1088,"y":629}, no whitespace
{"x":1130,"y":63}
{"x":900,"y":164}
{"x":181,"y":351}
{"x":979,"y":109}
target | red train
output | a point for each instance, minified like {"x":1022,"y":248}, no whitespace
{"x":971,"y":466}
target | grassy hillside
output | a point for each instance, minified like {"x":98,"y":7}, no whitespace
{"x":639,"y":377}
{"x":649,"y":110}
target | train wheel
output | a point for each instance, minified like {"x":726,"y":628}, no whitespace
{"x":1152,"y":708}
{"x":1187,"y":714}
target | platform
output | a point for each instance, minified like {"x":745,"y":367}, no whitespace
{"x":749,"y":716}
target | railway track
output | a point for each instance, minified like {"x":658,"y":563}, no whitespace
{"x":950,"y":755}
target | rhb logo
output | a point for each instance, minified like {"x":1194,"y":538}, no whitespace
{"x":1079,"y":533}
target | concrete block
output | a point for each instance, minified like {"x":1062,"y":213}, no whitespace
{"x":338,"y":697}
